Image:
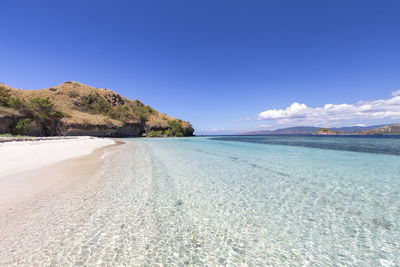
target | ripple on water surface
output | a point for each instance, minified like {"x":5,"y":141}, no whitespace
{"x":201,"y":200}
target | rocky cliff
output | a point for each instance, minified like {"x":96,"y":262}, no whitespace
{"x":73,"y":108}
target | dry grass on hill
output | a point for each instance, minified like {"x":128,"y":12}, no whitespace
{"x":84,"y":104}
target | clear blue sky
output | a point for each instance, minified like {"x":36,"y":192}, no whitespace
{"x":218,"y":64}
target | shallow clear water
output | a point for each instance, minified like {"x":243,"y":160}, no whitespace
{"x":215,"y":201}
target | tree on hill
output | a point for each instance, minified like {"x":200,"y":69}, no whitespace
{"x":175,"y":128}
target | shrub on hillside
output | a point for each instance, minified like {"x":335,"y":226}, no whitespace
{"x":148,"y":109}
{"x":36,"y":108}
{"x":22,"y":126}
{"x":140,"y":112}
{"x":121,"y":113}
{"x":154,"y":134}
{"x":16,"y":103}
{"x":176,"y":128}
{"x":168,"y":133}
{"x":43,"y":109}
{"x":125,"y":113}
{"x":101,"y":106}
{"x":95,"y":103}
{"x":73,"y":94}
{"x":4,"y":96}
{"x":141,"y":116}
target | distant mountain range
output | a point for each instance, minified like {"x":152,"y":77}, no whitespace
{"x":387,"y":129}
{"x":375,"y":129}
{"x":291,"y":130}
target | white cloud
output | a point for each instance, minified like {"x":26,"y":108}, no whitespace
{"x":396,"y":93}
{"x":301,"y":113}
{"x":296,"y":110}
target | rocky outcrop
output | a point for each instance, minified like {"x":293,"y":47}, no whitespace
{"x":102,"y":130}
{"x":6,"y":124}
{"x":326,"y":131}
{"x":60,"y":128}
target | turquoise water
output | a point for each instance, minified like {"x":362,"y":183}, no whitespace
{"x":217,"y":201}
{"x":226,"y":202}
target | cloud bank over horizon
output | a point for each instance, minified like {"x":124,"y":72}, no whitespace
{"x":330,"y":114}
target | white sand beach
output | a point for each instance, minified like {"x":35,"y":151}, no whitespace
{"x":29,"y":168}
{"x":50,"y":175}
{"x":21,"y":156}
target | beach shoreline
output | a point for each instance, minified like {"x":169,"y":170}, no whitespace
{"x":21,"y":184}
{"x":33,"y":153}
{"x":26,"y":196}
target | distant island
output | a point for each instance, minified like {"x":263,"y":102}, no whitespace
{"x":73,"y":108}
{"x":392,"y":129}
{"x":326,"y":131}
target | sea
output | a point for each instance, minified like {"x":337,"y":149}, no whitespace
{"x":238,"y":201}
{"x":266,"y":200}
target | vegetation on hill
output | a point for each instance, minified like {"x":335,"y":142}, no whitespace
{"x":175,"y":129}
{"x":4,"y":96}
{"x":155,"y":134}
{"x":77,"y":109}
{"x":37,"y":109}
{"x":94,"y":103}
